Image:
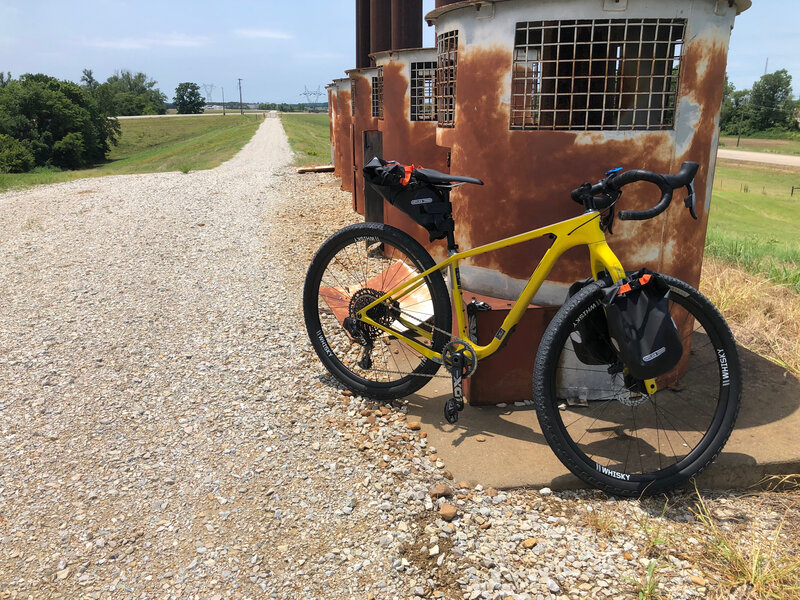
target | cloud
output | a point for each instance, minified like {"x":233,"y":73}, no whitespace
{"x":172,"y":40}
{"x":269,"y":34}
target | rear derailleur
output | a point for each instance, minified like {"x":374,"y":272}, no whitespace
{"x":351,"y":326}
{"x":460,"y":357}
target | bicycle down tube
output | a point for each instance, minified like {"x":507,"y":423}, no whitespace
{"x":578,"y":231}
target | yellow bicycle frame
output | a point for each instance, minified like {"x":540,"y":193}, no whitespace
{"x":582,"y":230}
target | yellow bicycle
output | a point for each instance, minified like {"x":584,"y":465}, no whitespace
{"x":378,"y":311}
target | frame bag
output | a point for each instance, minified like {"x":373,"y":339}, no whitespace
{"x":640,"y":326}
{"x":424,"y":203}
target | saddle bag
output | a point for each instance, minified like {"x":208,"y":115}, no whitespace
{"x":640,"y":326}
{"x":424,"y":203}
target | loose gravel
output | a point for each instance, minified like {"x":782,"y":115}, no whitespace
{"x":167,"y":432}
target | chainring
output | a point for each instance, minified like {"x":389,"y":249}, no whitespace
{"x":470,"y":356}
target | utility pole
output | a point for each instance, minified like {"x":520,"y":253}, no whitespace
{"x":241,"y":108}
{"x":741,"y":116}
{"x":766,"y":66}
{"x":223,"y":102}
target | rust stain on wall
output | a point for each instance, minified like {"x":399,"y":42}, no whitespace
{"x":343,"y":144}
{"x":331,"y":117}
{"x":529,"y":175}
{"x":684,"y":238}
{"x":408,"y":142}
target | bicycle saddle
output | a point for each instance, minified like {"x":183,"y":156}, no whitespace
{"x":439,"y":178}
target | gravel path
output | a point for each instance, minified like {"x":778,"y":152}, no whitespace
{"x":785,"y":160}
{"x":166,"y":432}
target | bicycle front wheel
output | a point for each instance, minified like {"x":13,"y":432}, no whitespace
{"x":353,"y":268}
{"x":603,"y":425}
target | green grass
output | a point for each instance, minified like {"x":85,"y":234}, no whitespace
{"x":754,"y":221}
{"x":309,"y":137}
{"x":152,"y":145}
{"x":787,"y":144}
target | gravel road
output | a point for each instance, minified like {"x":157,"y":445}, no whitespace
{"x":166,"y":432}
{"x":785,"y":160}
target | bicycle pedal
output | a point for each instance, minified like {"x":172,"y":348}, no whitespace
{"x":451,"y":410}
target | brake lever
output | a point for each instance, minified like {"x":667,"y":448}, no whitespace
{"x":689,"y":200}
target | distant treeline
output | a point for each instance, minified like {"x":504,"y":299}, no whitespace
{"x":768,"y":107}
{"x":279,"y":106}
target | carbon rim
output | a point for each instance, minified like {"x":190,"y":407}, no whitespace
{"x":625,"y":435}
{"x":357,"y":268}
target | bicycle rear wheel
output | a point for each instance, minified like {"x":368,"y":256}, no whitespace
{"x":613,"y":435}
{"x":353,"y":268}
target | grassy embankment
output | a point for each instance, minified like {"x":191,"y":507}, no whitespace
{"x":755,"y":221}
{"x":789,"y":144}
{"x":152,"y":145}
{"x":309,"y":137}
{"x":752,"y":266}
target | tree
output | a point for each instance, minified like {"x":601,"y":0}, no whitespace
{"x":771,"y":102}
{"x":88,"y":81}
{"x":4,"y":79}
{"x":125,"y":93}
{"x":188,"y":99}
{"x":56,"y":123}
{"x":14,"y":156}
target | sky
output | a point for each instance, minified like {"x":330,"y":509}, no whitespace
{"x":277,"y":47}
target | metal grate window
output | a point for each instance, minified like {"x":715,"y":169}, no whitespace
{"x":377,"y":95}
{"x":608,"y":74}
{"x":423,"y":91}
{"x":353,"y":97}
{"x":446,"y":67}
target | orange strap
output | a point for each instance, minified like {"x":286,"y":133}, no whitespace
{"x":407,"y":178}
{"x":643,"y":280}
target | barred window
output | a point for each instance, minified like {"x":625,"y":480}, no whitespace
{"x":423,"y":91}
{"x":353,"y":97}
{"x":602,"y":74}
{"x":446,"y":67}
{"x":377,"y":94}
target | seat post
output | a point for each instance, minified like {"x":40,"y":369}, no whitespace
{"x":452,"y":247}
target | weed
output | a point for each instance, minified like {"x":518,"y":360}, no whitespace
{"x":600,"y":521}
{"x":761,"y":569}
{"x":656,"y":537}
{"x":32,"y":223}
{"x":647,"y":589}
{"x":782,"y":483}
{"x":184,"y":169}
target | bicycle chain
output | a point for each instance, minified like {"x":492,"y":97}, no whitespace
{"x":434,"y":328}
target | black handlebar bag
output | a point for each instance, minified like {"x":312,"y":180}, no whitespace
{"x":640,"y":325}
{"x":424,"y":203}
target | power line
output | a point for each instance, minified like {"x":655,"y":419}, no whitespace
{"x":309,"y":94}
{"x":209,"y":88}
